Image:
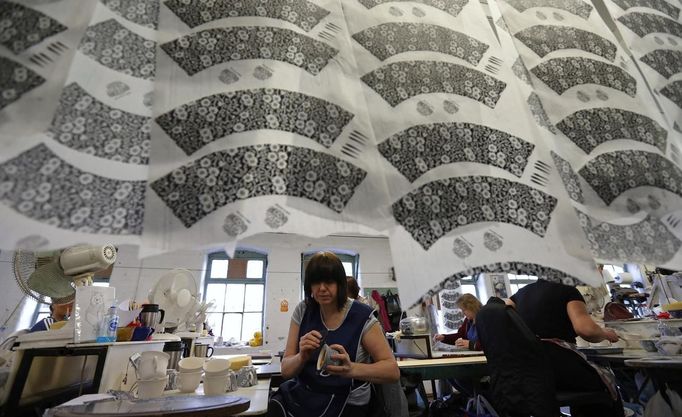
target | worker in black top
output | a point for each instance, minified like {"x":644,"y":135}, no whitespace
{"x":557,"y":311}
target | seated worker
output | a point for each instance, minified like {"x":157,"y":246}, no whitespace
{"x":354,"y":290}
{"x":328,"y":316}
{"x":58,"y":312}
{"x":466,"y":336}
{"x":557,"y":313}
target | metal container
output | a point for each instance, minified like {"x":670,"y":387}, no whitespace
{"x":151,"y":315}
{"x":413,"y":325}
{"x":203,"y":351}
{"x":174,"y":350}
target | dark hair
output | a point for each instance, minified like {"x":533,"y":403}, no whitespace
{"x":353,"y":288}
{"x":325,"y":267}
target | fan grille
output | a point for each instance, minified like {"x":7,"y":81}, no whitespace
{"x":25,"y":263}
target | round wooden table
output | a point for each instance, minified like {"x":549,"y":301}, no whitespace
{"x":180,"y":406}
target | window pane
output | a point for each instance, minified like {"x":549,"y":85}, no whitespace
{"x":254,"y":298}
{"x":469,"y":289}
{"x":237,"y":268}
{"x":234,"y":301}
{"x":348,"y":267}
{"x":219,"y":268}
{"x":252,"y":323}
{"x":232,"y":326}
{"x":215,"y":320}
{"x":216,"y":293}
{"x":254,"y":269}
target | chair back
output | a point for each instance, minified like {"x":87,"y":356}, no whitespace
{"x":522,"y":382}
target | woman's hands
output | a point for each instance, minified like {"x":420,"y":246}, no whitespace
{"x":308,"y":343}
{"x":438,"y":338}
{"x":345,"y":369}
{"x":463,"y":343}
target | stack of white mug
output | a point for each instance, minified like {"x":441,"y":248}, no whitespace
{"x":151,"y":374}
{"x":190,"y":372}
{"x":219,"y":377}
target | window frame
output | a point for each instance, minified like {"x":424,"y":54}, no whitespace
{"x":513,"y":280}
{"x":238,"y":254}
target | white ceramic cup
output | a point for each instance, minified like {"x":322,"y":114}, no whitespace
{"x":324,"y":359}
{"x":191,"y":364}
{"x":188,"y":381}
{"x":216,"y":385}
{"x":152,"y":364}
{"x":151,"y":388}
{"x":215,"y":367}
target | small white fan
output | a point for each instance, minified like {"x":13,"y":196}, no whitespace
{"x":176,"y":293}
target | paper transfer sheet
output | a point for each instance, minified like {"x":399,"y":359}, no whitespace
{"x":516,"y":138}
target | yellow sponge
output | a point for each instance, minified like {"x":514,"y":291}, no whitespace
{"x":237,"y":362}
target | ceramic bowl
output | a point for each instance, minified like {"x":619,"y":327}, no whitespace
{"x":216,"y":385}
{"x":191,"y":364}
{"x":668,"y":347}
{"x":215,"y":367}
{"x":151,"y":388}
{"x":188,"y":381}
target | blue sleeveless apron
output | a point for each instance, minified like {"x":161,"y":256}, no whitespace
{"x":312,"y":394}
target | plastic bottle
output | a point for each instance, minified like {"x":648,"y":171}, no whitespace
{"x":107,"y":329}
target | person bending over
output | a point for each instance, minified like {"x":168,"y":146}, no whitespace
{"x":557,"y":313}
{"x":328,"y":317}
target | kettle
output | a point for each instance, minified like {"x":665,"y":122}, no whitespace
{"x":414,"y":325}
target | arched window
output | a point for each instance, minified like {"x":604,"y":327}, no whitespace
{"x":237,"y":288}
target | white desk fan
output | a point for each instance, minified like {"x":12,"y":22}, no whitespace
{"x":176,"y":293}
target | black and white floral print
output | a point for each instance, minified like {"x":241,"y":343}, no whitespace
{"x":461,"y":248}
{"x":659,"y":5}
{"x":197,"y":123}
{"x":234,"y":225}
{"x":43,"y":187}
{"x":576,"y":7}
{"x":302,"y":13}
{"x":666,"y":62}
{"x":569,"y":178}
{"x":200,"y":50}
{"x":645,"y":23}
{"x":439,"y":207}
{"x":399,"y":81}
{"x":22,"y":27}
{"x":421,"y":148}
{"x":276,"y":217}
{"x":543,"y":39}
{"x":516,"y":268}
{"x":15,"y":81}
{"x":673,"y":92}
{"x":116,"y":47}
{"x":492,"y":241}
{"x":389,"y":39}
{"x":216,"y":180}
{"x":142,"y":12}
{"x":539,"y":113}
{"x":590,"y":128}
{"x":84,"y":123}
{"x":560,"y":74}
{"x":611,"y":174}
{"x":520,"y":70}
{"x":648,"y":241}
{"x":452,"y":7}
